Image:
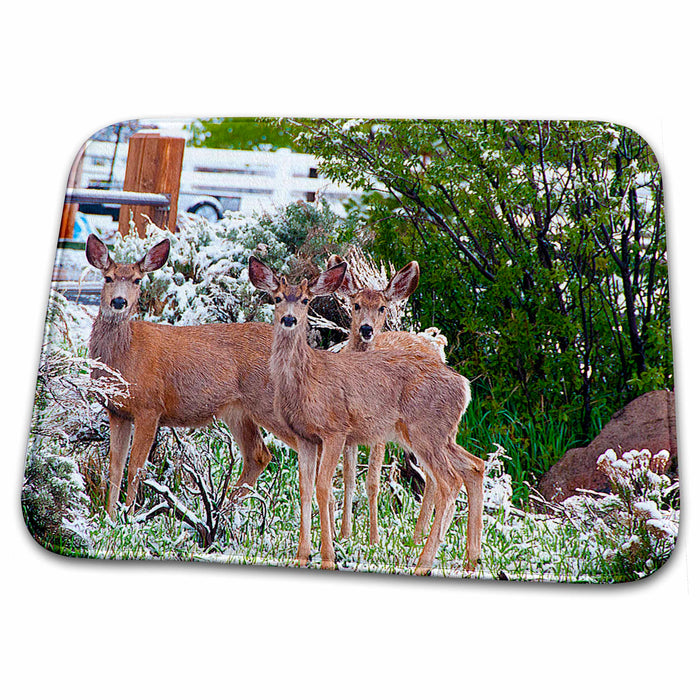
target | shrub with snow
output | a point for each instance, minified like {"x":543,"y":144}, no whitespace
{"x":205,"y":279}
{"x":54,"y":503}
{"x":635,"y":526}
{"x":67,"y":416}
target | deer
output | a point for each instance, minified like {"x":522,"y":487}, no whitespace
{"x":328,"y":400}
{"x":368,"y":317}
{"x":178,"y":376}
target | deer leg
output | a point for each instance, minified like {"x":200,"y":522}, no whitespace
{"x":471,"y":469}
{"x":349,"y":477}
{"x":446,"y":489}
{"x":331,"y":497}
{"x":144,"y":432}
{"x":426,"y":510}
{"x":119,"y":435}
{"x":307,"y":478}
{"x":376,"y":459}
{"x":475,"y":493}
{"x":330,"y":455}
{"x":255,"y":454}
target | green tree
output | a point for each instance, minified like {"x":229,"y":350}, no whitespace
{"x":241,"y":134}
{"x":541,"y":244}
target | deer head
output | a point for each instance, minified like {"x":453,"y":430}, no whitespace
{"x":292,"y":301}
{"x":369,"y":306}
{"x":122,"y":282}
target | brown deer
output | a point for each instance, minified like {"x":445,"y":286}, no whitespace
{"x":368,"y":316}
{"x":180,"y":376}
{"x":328,"y":400}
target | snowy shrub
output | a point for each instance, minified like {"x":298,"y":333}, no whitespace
{"x":313,"y":231}
{"x":205,"y":279}
{"x":524,"y":545}
{"x":498,"y":486}
{"x":620,"y":536}
{"x":67,"y":425}
{"x":635,"y":526}
{"x":54,"y":503}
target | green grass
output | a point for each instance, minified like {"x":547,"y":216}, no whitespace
{"x":264,"y":530}
{"x":533,"y":447}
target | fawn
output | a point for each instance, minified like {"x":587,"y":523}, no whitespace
{"x":180,"y":376}
{"x":328,"y":400}
{"x":368,"y":316}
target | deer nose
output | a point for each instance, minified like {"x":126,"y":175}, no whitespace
{"x":288,"y":321}
{"x":118,"y":303}
{"x":366,"y":331}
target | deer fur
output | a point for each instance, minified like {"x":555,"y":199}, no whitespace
{"x":368,"y":316}
{"x":180,"y":376}
{"x":328,"y":400}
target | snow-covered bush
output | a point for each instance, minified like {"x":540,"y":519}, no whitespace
{"x":636,"y":525}
{"x":498,"y":483}
{"x":68,"y":429}
{"x":594,"y":537}
{"x":54,"y":502}
{"x":205,"y":279}
{"x":314,"y":231}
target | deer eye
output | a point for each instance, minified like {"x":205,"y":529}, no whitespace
{"x":357,"y":307}
{"x":137,"y":280}
{"x":108,"y":279}
{"x":382,"y":309}
{"x":304,"y":301}
{"x":278,"y":300}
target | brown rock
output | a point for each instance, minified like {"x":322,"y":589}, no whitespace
{"x":647,"y":422}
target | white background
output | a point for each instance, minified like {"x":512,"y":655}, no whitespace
{"x":77,"y":629}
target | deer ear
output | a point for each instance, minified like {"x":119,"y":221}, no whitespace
{"x":261,"y":276}
{"x":329,"y":280}
{"x":403,"y":283}
{"x":348,"y":287}
{"x":333,"y":260}
{"x":97,"y":253}
{"x":156,"y":257}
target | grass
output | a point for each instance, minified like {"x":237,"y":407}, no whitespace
{"x":533,"y":447}
{"x":264,"y":530}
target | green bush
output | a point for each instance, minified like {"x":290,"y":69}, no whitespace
{"x":54,"y":503}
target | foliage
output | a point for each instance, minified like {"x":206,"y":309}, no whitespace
{"x":205,"y":279}
{"x":54,"y":500}
{"x":241,"y":134}
{"x":312,"y":232}
{"x":533,"y":446}
{"x":67,"y":422}
{"x":636,"y":526}
{"x":541,"y":245}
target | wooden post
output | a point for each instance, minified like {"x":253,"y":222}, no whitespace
{"x":154,"y":164}
{"x":69,"y":210}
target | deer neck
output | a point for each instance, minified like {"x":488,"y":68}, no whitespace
{"x":291,"y":359}
{"x":110,"y":339}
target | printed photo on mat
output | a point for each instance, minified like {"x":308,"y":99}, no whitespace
{"x":398,"y":346}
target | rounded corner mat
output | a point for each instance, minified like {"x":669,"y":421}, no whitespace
{"x":421,"y":347}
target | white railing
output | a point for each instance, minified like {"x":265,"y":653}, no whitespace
{"x":247,"y":179}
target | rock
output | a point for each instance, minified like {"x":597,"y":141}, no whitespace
{"x":647,"y":422}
